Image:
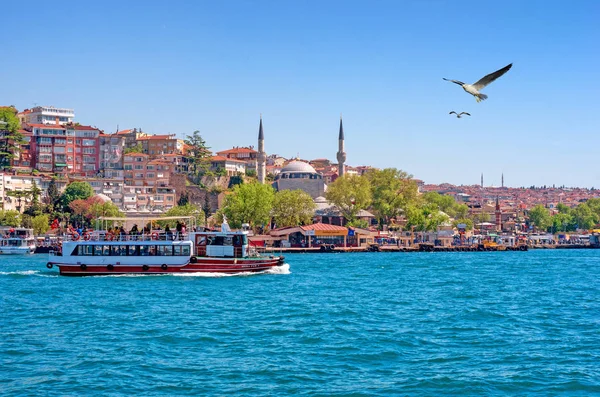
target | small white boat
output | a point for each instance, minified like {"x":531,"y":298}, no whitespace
{"x":16,"y":241}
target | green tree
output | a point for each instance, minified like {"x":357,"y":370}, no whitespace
{"x":10,"y":218}
{"x":206,"y":208}
{"x":249,"y":203}
{"x":251,"y":173}
{"x":20,"y":196}
{"x":562,"y":222}
{"x":415,"y":218}
{"x":181,"y":211}
{"x":563,"y":209}
{"x":76,"y":191}
{"x":540,"y":217}
{"x":40,"y":224}
{"x":100,"y":208}
{"x":198,"y":153}
{"x":293,"y":208}
{"x":583,"y":217}
{"x":35,"y":207}
{"x":183,"y":199}
{"x":138,"y":148}
{"x":392,"y":190}
{"x":350,"y":194}
{"x":10,"y":137}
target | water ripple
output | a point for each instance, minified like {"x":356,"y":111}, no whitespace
{"x":370,"y":324}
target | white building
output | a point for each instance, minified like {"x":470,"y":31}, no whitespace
{"x":47,"y":115}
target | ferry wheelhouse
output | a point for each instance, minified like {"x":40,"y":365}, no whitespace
{"x":159,"y":252}
{"x":16,"y":241}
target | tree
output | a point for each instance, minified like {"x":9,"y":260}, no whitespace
{"x":138,"y":148}
{"x":206,"y":208}
{"x":19,"y":195}
{"x":183,"y":199}
{"x":293,"y":208}
{"x":10,"y":218}
{"x":40,"y":224}
{"x":251,"y":173}
{"x":350,"y":194}
{"x":76,"y":191}
{"x":52,"y":198}
{"x":10,"y":137}
{"x":35,"y":207}
{"x":199,"y":153}
{"x":249,"y":203}
{"x":392,"y":191}
{"x":583,"y":217}
{"x":540,"y":217}
{"x":562,"y":222}
{"x":181,"y":211}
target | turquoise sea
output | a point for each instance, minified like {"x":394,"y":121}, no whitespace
{"x":370,"y":324}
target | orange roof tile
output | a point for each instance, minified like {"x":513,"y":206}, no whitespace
{"x":238,"y":150}
{"x":155,"y":137}
{"x":324,"y":227}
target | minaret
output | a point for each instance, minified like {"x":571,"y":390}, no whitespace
{"x":261,"y":158}
{"x":503,"y":179}
{"x":482,"y":179}
{"x":341,"y":155}
{"x":498,"y":216}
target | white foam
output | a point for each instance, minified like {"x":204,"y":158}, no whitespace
{"x":21,"y":273}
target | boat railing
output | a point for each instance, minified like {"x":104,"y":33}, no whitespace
{"x":103,"y":236}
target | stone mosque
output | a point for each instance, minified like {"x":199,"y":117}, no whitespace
{"x":298,"y":174}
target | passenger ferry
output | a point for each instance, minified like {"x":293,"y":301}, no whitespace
{"x":16,"y":241}
{"x":159,"y":252}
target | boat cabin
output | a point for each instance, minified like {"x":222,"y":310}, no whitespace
{"x":221,"y":244}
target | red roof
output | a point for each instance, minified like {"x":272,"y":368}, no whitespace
{"x":134,"y":154}
{"x":123,"y":132}
{"x":238,"y":150}
{"x":324,"y":227}
{"x":155,"y":137}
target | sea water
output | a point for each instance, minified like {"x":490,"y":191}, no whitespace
{"x":368,"y":324}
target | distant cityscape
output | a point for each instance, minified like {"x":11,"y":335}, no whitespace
{"x":142,"y":173}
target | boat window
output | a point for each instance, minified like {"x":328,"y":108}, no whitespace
{"x":177,"y":250}
{"x":115,"y":250}
{"x":122,"y":250}
{"x":144,"y":250}
{"x":98,"y":250}
{"x":215,"y":240}
{"x":106,"y":250}
{"x":185,"y":250}
{"x":164,"y":250}
{"x":237,"y":240}
{"x":152,"y":250}
{"x":245,"y":239}
{"x":201,"y":240}
{"x":133,"y":251}
{"x":227,"y":240}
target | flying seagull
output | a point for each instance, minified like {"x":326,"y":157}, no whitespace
{"x":459,"y":115}
{"x":473,"y":89}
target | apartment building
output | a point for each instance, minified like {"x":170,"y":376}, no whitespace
{"x":46,"y":115}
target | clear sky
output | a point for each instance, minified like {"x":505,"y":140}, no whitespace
{"x":214,"y":66}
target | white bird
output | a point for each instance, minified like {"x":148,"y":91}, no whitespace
{"x":459,"y":115}
{"x":473,"y":89}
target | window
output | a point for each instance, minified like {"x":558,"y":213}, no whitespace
{"x":89,"y":142}
{"x":60,"y":141}
{"x":89,"y":150}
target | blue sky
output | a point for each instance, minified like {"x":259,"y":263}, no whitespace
{"x":214,"y":66}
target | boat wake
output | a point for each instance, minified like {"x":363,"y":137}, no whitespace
{"x":20,"y":273}
{"x":283,"y":269}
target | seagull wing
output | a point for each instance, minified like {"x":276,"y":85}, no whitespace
{"x":454,"y":81}
{"x":452,"y":112}
{"x":465,"y":113}
{"x":491,"y":77}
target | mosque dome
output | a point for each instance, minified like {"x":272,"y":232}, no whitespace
{"x":298,"y":166}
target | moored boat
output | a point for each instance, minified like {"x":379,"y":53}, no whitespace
{"x":159,"y":252}
{"x":16,"y":241}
